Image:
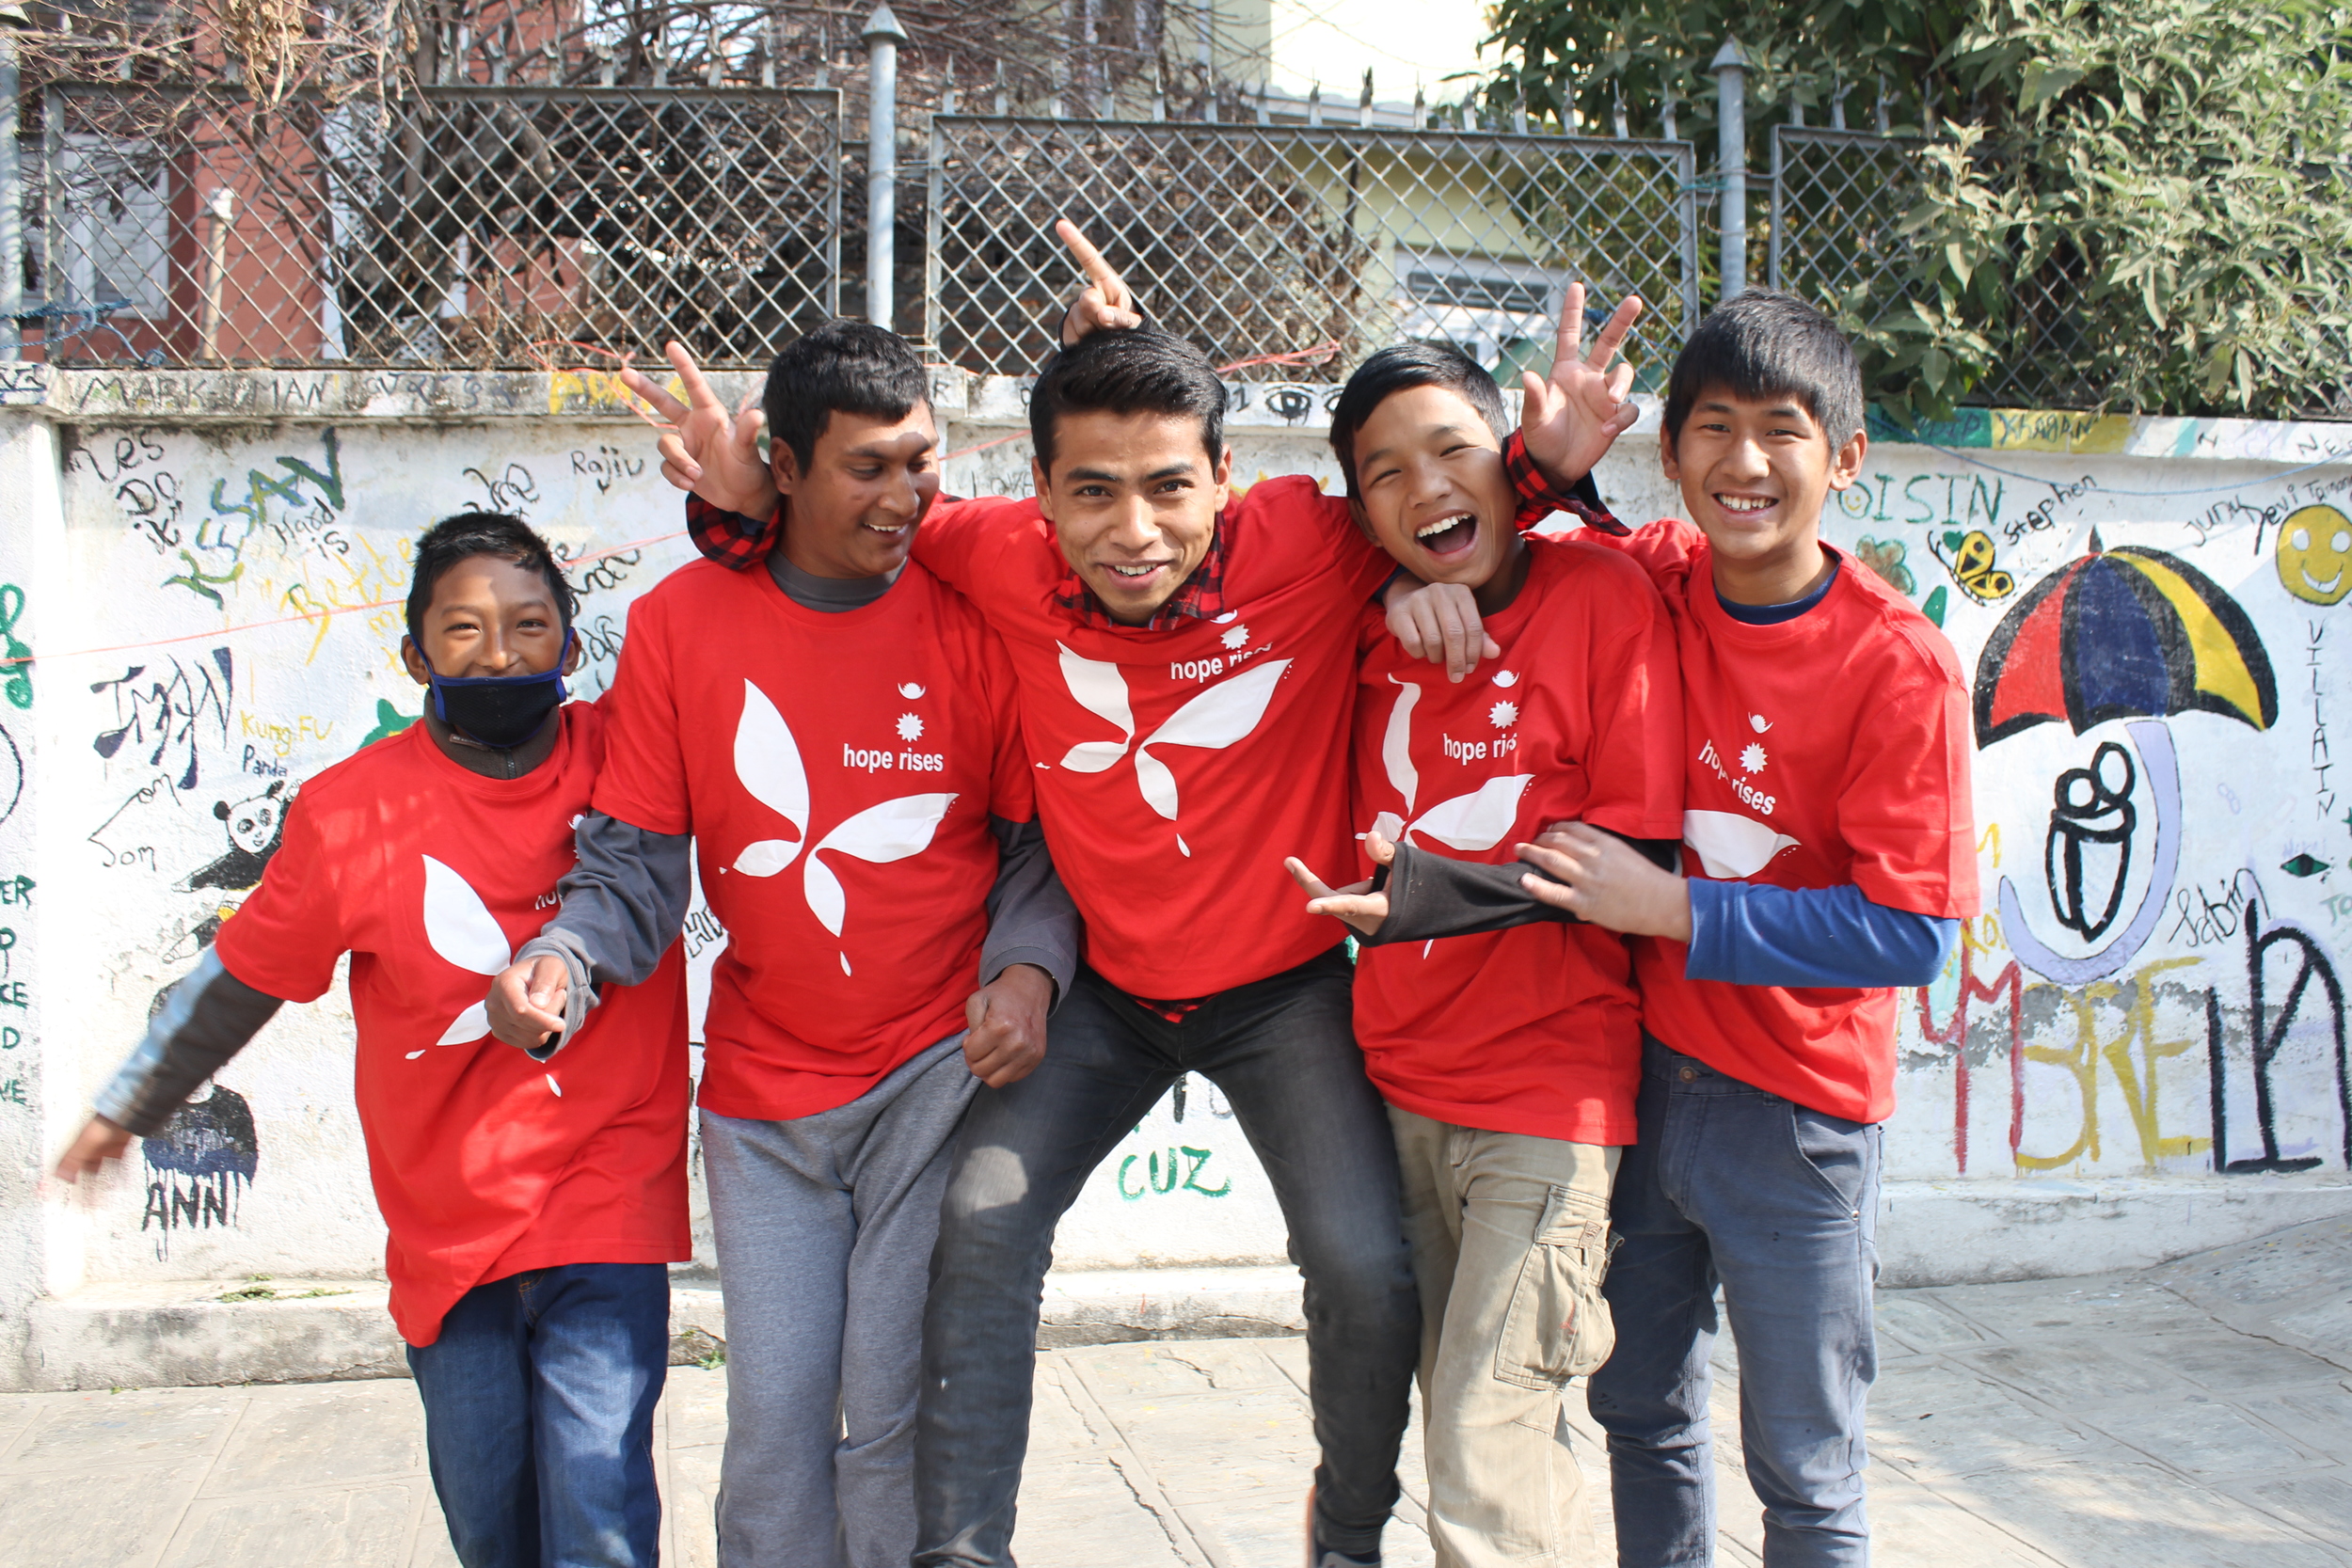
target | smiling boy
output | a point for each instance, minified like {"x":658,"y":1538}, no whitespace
{"x":1828,"y":811}
{"x":1508,"y":1059}
{"x":832,"y":728}
{"x":533,"y":1201}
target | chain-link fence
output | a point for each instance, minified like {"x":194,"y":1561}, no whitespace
{"x":460,"y":225}
{"x":1291,"y":251}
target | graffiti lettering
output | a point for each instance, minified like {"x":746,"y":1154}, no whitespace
{"x":608,"y":466}
{"x":2082,"y":1055}
{"x":170,"y":711}
{"x":2266,"y":1035}
{"x":1173,"y":1170}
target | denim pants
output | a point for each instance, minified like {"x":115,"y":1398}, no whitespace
{"x":538,"y":1417}
{"x":1779,"y":1204}
{"x":1283,"y":1051}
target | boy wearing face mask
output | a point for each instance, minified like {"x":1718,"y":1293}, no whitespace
{"x":533,"y":1198}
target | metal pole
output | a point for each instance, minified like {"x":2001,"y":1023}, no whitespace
{"x":1201,"y":23}
{"x":1730,"y":66}
{"x":11,"y":191}
{"x":882,"y":37}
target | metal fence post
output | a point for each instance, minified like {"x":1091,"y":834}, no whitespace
{"x":11,"y":189}
{"x":1730,"y":66}
{"x":882,"y":37}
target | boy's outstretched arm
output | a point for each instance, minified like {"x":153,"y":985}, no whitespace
{"x":623,"y":904}
{"x":206,"y":1019}
{"x":1744,"y":933}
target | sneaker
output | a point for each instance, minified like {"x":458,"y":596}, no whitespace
{"x":1321,"y":1556}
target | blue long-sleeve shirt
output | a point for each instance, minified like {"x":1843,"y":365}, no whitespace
{"x":1753,"y":934}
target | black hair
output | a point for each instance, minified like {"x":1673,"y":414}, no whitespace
{"x":1135,"y":370}
{"x":1407,"y":365}
{"x":844,"y":366}
{"x":493,"y":534}
{"x":1766,"y":344}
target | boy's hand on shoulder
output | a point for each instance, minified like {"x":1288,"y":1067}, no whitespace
{"x":527,"y":999}
{"x":1355,"y":905}
{"x":706,"y":447}
{"x":1607,"y":882}
{"x":97,"y":1143}
{"x":1572,"y":417}
{"x":1438,"y":622}
{"x":1004,"y":1037}
{"x":1105,"y":303}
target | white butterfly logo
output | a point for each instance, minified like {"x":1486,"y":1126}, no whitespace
{"x":462,"y":929}
{"x":1217,"y":718}
{"x":1471,"y":822}
{"x":768,"y":761}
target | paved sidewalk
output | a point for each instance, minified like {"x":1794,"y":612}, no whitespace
{"x":2195,"y":1413}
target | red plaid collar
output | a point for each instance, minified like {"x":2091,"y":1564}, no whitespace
{"x":1200,"y":598}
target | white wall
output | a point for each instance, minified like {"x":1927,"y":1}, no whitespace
{"x":178,"y":489}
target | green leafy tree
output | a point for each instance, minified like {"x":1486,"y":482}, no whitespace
{"x":2142,"y":207}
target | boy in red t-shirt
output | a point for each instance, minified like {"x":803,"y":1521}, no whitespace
{"x":831,"y":729}
{"x":1509,"y":1058}
{"x":533,"y":1200}
{"x":1828,"y":812}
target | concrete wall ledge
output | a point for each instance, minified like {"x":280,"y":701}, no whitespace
{"x":1973,"y":1232}
{"x":1930,"y":1233}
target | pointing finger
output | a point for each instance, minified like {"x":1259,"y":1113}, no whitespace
{"x":1568,"y":345}
{"x":643,"y":385}
{"x":1612,"y":332}
{"x":1314,"y":886}
{"x":1090,"y":261}
{"x":698,"y":392}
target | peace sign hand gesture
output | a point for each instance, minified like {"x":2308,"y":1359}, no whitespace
{"x":706,"y":447}
{"x":1572,"y":417}
{"x":1105,"y":303}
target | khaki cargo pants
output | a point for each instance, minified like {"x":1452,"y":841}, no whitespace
{"x":1510,"y":1239}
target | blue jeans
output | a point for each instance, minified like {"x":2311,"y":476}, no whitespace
{"x":538,"y":1417}
{"x":1779,"y":1204}
{"x":1283,"y":1050}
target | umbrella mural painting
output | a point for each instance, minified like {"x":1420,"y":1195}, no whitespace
{"x":2128,"y":633}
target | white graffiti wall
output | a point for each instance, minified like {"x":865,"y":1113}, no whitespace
{"x":2153,"y":624}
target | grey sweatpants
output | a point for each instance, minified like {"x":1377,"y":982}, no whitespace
{"x":825,"y":1225}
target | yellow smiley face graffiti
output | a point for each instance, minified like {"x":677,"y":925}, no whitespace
{"x":2316,"y":555}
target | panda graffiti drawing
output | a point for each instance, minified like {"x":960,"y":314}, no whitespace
{"x":255,"y":826}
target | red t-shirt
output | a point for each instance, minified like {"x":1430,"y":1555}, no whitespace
{"x":838,"y":772}
{"x":485,"y":1162}
{"x":1536,"y":1029}
{"x":1829,"y":750}
{"x":1176,"y":766}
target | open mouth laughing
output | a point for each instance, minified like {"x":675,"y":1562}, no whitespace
{"x":1448,"y":537}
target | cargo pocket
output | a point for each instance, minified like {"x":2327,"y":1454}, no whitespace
{"x":1558,"y":1326}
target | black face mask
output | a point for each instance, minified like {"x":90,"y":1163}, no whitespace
{"x":499,"y":711}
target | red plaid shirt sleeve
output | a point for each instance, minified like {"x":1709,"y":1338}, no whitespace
{"x":729,"y":538}
{"x":1539,"y":499}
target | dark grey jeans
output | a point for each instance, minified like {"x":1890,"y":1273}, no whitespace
{"x":1283,"y":1051}
{"x":1779,"y":1204}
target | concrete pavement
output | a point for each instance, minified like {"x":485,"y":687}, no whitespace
{"x":2198,"y":1413}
